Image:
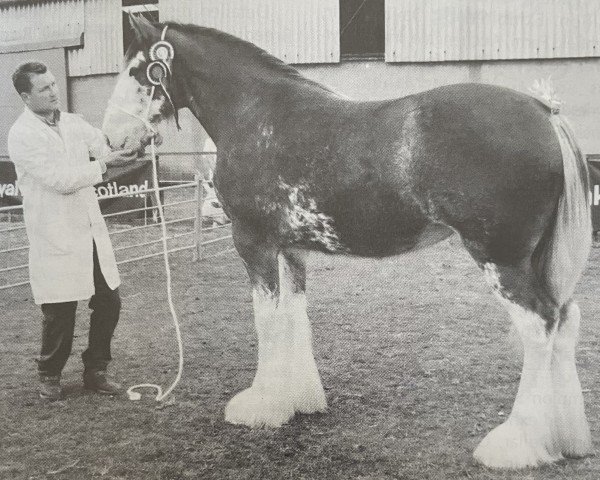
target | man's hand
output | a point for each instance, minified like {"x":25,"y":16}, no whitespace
{"x":147,"y":138}
{"x":120,"y":158}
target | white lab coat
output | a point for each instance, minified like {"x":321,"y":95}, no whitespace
{"x":60,"y":207}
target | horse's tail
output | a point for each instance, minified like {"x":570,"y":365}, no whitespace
{"x":565,"y":250}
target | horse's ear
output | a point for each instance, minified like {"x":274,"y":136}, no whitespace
{"x":145,"y":32}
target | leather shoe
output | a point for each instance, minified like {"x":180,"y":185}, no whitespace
{"x":97,"y":381}
{"x":49,"y":388}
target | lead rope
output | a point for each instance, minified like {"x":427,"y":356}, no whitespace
{"x":133,"y":395}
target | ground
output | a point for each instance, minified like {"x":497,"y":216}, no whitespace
{"x":413,"y":352}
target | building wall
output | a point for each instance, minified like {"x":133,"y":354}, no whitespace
{"x":296,"y":31}
{"x":102,"y":51}
{"x":91,"y":29}
{"x":27,"y":25}
{"x":442,"y":30}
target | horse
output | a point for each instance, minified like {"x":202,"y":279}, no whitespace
{"x":302,"y":168}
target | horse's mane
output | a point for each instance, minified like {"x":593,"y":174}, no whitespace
{"x":251,"y":50}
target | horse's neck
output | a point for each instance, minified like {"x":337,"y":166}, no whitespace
{"x":241,"y":83}
{"x":231,"y":101}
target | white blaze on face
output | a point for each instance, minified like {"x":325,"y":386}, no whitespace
{"x":129,"y":104}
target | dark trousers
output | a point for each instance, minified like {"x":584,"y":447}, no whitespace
{"x":59,"y":324}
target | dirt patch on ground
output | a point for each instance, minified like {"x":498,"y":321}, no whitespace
{"x":412,"y":350}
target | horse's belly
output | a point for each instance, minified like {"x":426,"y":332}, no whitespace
{"x":431,"y":234}
{"x":381,"y":244}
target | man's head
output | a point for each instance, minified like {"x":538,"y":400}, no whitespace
{"x":37,"y":87}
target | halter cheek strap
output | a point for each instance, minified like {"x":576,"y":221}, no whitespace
{"x":162,"y":54}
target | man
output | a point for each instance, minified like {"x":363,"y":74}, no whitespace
{"x":70,"y":255}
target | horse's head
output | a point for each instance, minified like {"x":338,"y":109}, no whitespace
{"x":145,"y":92}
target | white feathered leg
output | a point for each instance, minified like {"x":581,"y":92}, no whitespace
{"x":528,"y":437}
{"x":287,"y":379}
{"x":573,"y":430}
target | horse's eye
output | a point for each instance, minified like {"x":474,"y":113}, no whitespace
{"x":133,"y":71}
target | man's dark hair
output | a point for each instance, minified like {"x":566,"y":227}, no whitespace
{"x":22,"y":76}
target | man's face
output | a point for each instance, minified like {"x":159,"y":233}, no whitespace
{"x":43,"y":97}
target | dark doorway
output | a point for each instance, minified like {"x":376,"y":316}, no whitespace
{"x":362,"y":28}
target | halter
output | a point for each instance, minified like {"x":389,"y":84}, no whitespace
{"x":158,"y":70}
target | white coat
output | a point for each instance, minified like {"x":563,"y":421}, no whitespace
{"x":60,"y":207}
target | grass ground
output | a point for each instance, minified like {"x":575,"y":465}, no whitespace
{"x":413,"y":354}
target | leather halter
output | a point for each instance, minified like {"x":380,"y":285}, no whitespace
{"x":161,"y":55}
{"x":160,"y":68}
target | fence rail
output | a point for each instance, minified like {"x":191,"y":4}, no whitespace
{"x":197,"y":233}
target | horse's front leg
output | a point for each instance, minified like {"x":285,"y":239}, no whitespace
{"x":286,"y":380}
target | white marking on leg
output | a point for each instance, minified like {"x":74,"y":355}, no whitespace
{"x":490,"y":272}
{"x":572,"y":427}
{"x":528,"y":437}
{"x":287,"y":379}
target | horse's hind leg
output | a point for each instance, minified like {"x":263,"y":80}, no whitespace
{"x":547,"y":420}
{"x":571,"y":423}
{"x":286,"y":380}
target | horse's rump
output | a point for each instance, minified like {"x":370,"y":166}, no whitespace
{"x":487,"y":162}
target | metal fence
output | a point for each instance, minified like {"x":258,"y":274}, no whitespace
{"x":188,"y":228}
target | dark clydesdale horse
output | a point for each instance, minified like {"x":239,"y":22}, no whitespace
{"x":302,"y":168}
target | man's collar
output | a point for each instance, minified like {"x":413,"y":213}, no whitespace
{"x":43,"y":119}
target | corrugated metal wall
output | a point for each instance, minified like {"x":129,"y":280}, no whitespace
{"x":37,"y":23}
{"x":438,"y":30}
{"x":103,"y":45}
{"x":56,"y":21}
{"x":296,"y":31}
{"x":307,"y":31}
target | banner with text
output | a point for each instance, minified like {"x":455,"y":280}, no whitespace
{"x":133,"y":181}
{"x":593,"y":162}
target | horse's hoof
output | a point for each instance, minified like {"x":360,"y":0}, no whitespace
{"x":513,"y":446}
{"x":307,"y":392}
{"x":257,"y":409}
{"x":575,"y":439}
{"x":311,"y":402}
